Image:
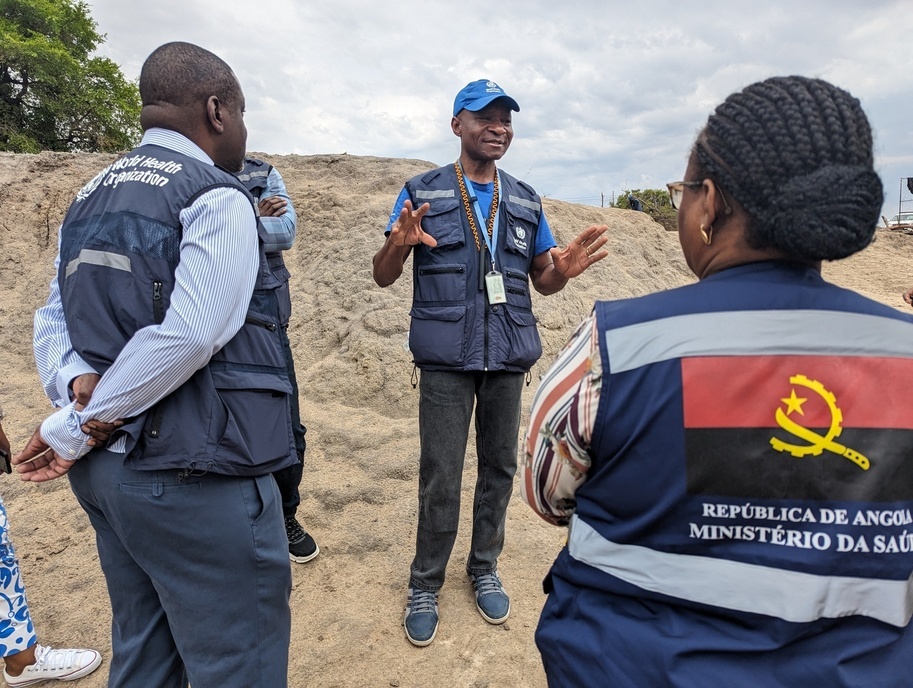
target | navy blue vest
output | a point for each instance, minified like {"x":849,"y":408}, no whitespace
{"x":254,"y":177}
{"x":747,"y":516}
{"x":453,"y":325}
{"x":120,"y":246}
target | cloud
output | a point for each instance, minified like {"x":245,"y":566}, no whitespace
{"x":611,"y":95}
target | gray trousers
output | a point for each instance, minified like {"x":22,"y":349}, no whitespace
{"x":197,"y":571}
{"x":445,"y":409}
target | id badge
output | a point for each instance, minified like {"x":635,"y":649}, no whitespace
{"x":494,"y":285}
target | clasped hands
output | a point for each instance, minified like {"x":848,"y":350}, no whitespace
{"x":38,"y":462}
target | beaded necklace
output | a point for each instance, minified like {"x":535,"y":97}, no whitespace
{"x":491,"y":212}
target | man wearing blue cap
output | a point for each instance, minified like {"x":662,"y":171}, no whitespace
{"x":480,"y":237}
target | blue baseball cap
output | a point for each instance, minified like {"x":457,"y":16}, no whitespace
{"x":479,"y":94}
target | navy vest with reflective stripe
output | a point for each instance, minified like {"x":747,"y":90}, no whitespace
{"x":254,"y":176}
{"x":453,"y":325}
{"x":120,"y":245}
{"x":746,"y":472}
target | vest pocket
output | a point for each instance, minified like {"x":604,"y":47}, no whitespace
{"x":445,"y":282}
{"x":516,"y":286}
{"x":525,"y":345}
{"x":253,"y":423}
{"x":256,"y":343}
{"x":437,"y":335}
{"x":443,"y":223}
{"x":522,"y":224}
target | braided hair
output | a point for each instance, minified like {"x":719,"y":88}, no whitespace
{"x":796,"y":153}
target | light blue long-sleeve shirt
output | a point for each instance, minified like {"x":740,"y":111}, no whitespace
{"x":280,"y":230}
{"x":214,"y":281}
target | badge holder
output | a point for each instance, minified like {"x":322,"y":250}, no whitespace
{"x":494,"y":285}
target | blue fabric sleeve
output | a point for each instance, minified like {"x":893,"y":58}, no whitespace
{"x":544,"y":238}
{"x":280,"y":230}
{"x":397,"y":208}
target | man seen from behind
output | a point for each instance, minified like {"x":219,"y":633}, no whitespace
{"x":163,"y":289}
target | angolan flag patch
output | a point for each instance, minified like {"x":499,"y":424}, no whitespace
{"x":799,"y":427}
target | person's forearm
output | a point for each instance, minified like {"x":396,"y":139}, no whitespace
{"x":549,"y":281}
{"x":560,"y":428}
{"x":280,"y":228}
{"x":388,"y":263}
{"x":55,"y":359}
{"x":280,"y":231}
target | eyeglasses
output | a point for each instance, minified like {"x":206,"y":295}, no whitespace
{"x":677,"y":191}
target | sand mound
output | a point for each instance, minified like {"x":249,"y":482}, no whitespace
{"x":359,"y":487}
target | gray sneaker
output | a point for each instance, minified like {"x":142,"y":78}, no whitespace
{"x":421,"y":616}
{"x":491,"y":600}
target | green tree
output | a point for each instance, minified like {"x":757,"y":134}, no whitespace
{"x":656,"y":203}
{"x":53,"y":94}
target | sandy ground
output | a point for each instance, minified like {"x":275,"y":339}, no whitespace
{"x":360,"y":478}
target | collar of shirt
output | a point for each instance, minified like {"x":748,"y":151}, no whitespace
{"x":172,"y":140}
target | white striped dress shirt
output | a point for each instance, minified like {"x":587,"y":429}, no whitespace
{"x":214,"y":281}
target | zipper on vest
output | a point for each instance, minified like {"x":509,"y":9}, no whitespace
{"x":485,"y":340}
{"x":440,"y":270}
{"x":516,"y":274}
{"x":254,"y":320}
{"x":515,"y":290}
{"x":484,"y":266}
{"x":158,"y":313}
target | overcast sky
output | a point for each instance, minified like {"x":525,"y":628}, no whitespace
{"x":611,"y":94}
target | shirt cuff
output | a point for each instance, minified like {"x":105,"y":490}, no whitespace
{"x":61,"y":431}
{"x":67,"y":374}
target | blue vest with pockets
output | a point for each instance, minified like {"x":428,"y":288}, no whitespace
{"x":120,"y":246}
{"x":254,"y":176}
{"x":453,"y":326}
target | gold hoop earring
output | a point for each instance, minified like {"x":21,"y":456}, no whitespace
{"x":705,"y":235}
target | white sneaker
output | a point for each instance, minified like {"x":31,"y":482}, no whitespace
{"x":60,"y":665}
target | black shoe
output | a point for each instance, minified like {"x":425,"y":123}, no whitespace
{"x":301,"y":546}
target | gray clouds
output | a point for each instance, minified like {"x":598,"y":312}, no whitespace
{"x":611,"y":94}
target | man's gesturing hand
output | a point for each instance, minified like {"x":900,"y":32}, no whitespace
{"x":407,"y":230}
{"x":585,"y":250}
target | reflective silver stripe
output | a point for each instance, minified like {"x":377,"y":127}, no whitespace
{"x":446,"y":193}
{"x":532,"y":205}
{"x":251,"y":175}
{"x":788,"y":595}
{"x":104,"y":258}
{"x":757,"y":333}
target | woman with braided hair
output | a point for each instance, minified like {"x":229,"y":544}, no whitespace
{"x":733,"y":457}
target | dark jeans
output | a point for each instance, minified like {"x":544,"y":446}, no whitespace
{"x":288,"y":479}
{"x":445,"y":409}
